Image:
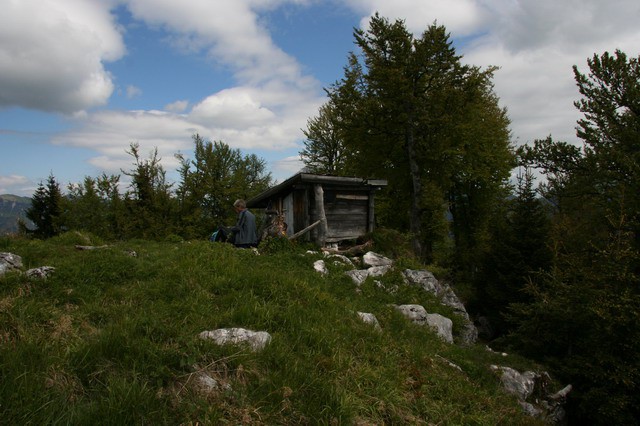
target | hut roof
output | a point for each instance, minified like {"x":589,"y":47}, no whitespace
{"x":262,"y":199}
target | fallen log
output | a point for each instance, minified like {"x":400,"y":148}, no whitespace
{"x":351,"y":251}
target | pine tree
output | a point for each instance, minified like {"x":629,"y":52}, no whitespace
{"x":45,"y":211}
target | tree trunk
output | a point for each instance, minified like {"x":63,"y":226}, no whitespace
{"x":415,"y":222}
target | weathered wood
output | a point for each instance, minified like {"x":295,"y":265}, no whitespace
{"x":321,"y":235}
{"x":351,"y":251}
{"x":305,"y":230}
{"x":370,"y":211}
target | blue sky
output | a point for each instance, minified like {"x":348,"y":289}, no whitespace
{"x":82,"y":79}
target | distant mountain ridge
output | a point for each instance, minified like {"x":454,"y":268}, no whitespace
{"x":12,"y":208}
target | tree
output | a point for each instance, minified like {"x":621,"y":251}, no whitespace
{"x":406,"y":113}
{"x":212,"y":181}
{"x":519,"y":252}
{"x":324,"y":148}
{"x":149,"y":206}
{"x":584,"y":311}
{"x":46,"y":211}
{"x":95,"y":206}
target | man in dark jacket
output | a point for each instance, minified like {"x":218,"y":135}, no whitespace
{"x":245,"y":231}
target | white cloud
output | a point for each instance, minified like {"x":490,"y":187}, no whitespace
{"x":177,"y":106}
{"x":16,"y":184}
{"x":265,"y":110}
{"x":133,"y":92}
{"x":535,"y":44}
{"x":286,"y":167}
{"x":52,"y":54}
{"x":462,"y":17}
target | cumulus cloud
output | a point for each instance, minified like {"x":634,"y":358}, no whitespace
{"x":265,"y":110}
{"x":58,"y":65}
{"x":177,"y":106}
{"x":462,"y":17}
{"x":52,"y":54}
{"x":15,"y":184}
{"x":133,"y":92}
{"x":535,"y":44}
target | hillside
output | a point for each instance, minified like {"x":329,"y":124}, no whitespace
{"x":12,"y":208}
{"x":112,"y":337}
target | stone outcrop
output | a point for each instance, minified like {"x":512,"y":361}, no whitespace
{"x":417,"y":314}
{"x":428,"y":282}
{"x":43,"y":272}
{"x":13,"y":262}
{"x":256,"y":340}
{"x":9,"y":262}
{"x":531,"y":390}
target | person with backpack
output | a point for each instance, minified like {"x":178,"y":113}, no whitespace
{"x":245,"y":233}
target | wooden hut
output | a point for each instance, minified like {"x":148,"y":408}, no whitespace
{"x":327,"y":209}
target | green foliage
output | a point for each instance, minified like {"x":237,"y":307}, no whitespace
{"x":272,"y":245}
{"x":96,"y":206}
{"x":111,"y":338}
{"x":149,"y":209}
{"x":583,"y":313}
{"x":409,"y":111}
{"x":212,"y":181}
{"x":323,"y":151}
{"x":148,"y":204}
{"x":519,"y":252}
{"x":46,"y":210}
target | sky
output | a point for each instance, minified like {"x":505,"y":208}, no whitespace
{"x":81,"y":80}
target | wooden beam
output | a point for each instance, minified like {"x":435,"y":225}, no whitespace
{"x":321,"y":236}
{"x":305,"y":230}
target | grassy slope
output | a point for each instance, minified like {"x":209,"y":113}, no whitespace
{"x":112,"y":339}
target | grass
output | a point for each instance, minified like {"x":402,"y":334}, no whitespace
{"x":113,"y":339}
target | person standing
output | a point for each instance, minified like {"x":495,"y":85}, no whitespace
{"x":245,"y":232}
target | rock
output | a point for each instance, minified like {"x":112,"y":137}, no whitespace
{"x":424,"y":279}
{"x":339,"y":257}
{"x":530,"y":409}
{"x":43,"y":272}
{"x":320,"y":267}
{"x":370,"y":319}
{"x":358,"y":276}
{"x":443,"y":326}
{"x":428,"y":282}
{"x":256,"y":340}
{"x":548,"y":407}
{"x":520,"y":385}
{"x":9,"y":262}
{"x":378,"y":271}
{"x":374,"y":259}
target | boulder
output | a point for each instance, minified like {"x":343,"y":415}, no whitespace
{"x":369,"y":318}
{"x":42,"y":273}
{"x":358,"y":276}
{"x":518,"y":384}
{"x":9,"y":262}
{"x":256,"y":340}
{"x":339,"y":257}
{"x":378,"y":271}
{"x":417,"y":314}
{"x":545,"y":406}
{"x":320,"y":267}
{"x":428,"y":282}
{"x":374,"y":259}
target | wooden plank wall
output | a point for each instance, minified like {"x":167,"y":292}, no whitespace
{"x":347,"y":213}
